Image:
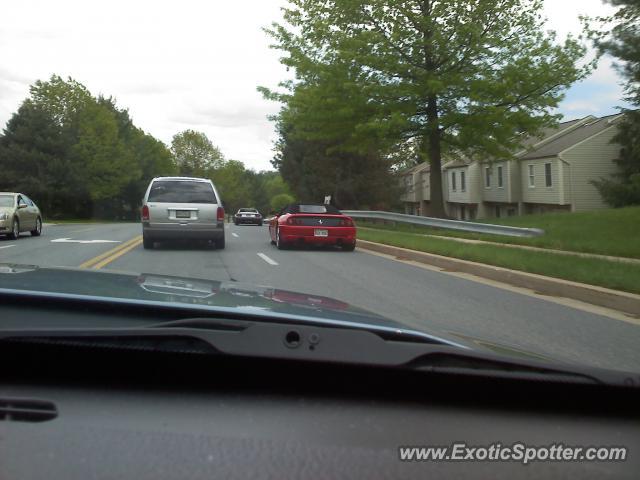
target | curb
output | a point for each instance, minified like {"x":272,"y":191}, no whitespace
{"x":628,"y":303}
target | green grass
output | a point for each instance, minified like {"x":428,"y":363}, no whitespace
{"x":607,"y":232}
{"x":609,"y":274}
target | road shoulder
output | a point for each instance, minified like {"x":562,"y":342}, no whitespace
{"x":626,"y":303}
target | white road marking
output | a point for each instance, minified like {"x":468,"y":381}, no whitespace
{"x":234,"y":234}
{"x":68,"y":240}
{"x":7,"y":246}
{"x":267,"y":259}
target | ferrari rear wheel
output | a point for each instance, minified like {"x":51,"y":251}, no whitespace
{"x":349,"y":247}
{"x":279,"y":243}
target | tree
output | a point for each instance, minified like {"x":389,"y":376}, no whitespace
{"x":462,"y":75}
{"x":280,"y":201}
{"x":34,"y":160}
{"x":231,"y":182}
{"x":195,"y":154}
{"x":77,"y":155}
{"x":325,"y":145}
{"x":619,"y":36}
{"x":316,"y":168}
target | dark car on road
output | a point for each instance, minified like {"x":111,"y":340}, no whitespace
{"x":248,"y":216}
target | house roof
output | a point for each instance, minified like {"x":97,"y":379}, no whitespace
{"x":530,"y":141}
{"x":416,"y":168}
{"x":589,"y":128}
{"x":458,"y":162}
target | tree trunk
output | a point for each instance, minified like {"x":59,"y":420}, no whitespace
{"x":432,"y":147}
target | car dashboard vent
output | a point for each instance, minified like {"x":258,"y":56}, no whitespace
{"x":26,"y":410}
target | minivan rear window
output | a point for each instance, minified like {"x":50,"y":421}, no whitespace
{"x":179,"y":191}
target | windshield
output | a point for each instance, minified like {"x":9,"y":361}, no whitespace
{"x":466,"y":169}
{"x":312,"y":209}
{"x":167,"y":191}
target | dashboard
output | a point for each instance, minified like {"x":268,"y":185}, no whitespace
{"x":82,"y":411}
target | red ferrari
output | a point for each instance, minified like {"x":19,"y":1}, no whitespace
{"x":312,"y":224}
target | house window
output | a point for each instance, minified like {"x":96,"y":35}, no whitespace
{"x":532,"y":178}
{"x":453,"y":181}
{"x":463,"y":182}
{"x":500,"y":177}
{"x":487,"y":177}
{"x":547,"y":175}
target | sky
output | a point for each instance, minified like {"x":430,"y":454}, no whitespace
{"x":195,"y":64}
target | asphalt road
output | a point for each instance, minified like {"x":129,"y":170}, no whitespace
{"x":416,"y":296}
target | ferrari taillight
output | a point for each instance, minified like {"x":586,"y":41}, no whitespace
{"x":145,"y":212}
{"x":294,"y":221}
{"x":346,"y":222}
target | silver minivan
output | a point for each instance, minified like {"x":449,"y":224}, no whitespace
{"x":176,"y":208}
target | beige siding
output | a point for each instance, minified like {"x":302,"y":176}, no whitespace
{"x":457,"y":195}
{"x":540,"y":193}
{"x":474,"y":183}
{"x":566,"y":183}
{"x":590,"y":160}
{"x":425,"y":185}
{"x":412,"y":187}
{"x":515,"y":184}
{"x":494,"y":193}
{"x":471,"y":193}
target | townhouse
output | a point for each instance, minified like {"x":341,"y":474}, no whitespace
{"x":552,"y":172}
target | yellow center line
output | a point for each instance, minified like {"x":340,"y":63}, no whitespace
{"x":109,"y":256}
{"x":118,"y":254}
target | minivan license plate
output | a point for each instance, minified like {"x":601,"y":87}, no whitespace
{"x":183,"y":214}
{"x":321,"y":233}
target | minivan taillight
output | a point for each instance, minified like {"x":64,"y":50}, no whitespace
{"x":220,"y":215}
{"x":145,"y":212}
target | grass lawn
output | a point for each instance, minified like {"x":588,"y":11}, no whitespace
{"x":609,"y":274}
{"x":607,"y":232}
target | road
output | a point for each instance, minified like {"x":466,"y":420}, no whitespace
{"x":407,"y":293}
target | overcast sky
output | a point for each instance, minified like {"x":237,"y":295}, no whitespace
{"x":196,"y":63}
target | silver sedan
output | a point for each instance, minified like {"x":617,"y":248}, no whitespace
{"x":19,"y":214}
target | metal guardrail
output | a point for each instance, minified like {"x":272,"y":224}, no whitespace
{"x":447,"y":224}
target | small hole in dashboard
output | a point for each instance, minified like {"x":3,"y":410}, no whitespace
{"x":292,"y":339}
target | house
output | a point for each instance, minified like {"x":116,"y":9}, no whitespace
{"x":552,"y":172}
{"x":557,"y":176}
{"x":461,"y":187}
{"x":416,"y":193}
{"x":502,"y":190}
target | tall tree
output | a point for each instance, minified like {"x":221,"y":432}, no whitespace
{"x":315,"y":168}
{"x":465,"y":75}
{"x":232,"y":182}
{"x":619,"y":35}
{"x":34,"y":160}
{"x":194,"y":153}
{"x":77,"y":155}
